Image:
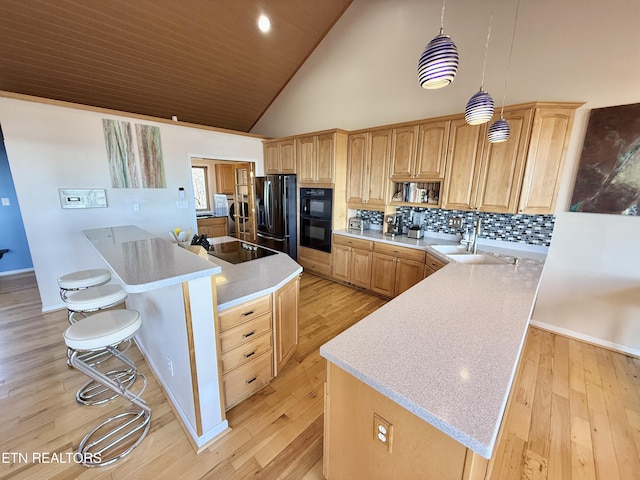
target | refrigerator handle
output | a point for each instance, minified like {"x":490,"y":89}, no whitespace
{"x":267,"y":202}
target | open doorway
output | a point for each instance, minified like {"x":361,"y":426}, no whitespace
{"x":224,"y":197}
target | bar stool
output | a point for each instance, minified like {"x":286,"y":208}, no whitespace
{"x":82,"y":303}
{"x":118,"y":435}
{"x":74,"y":281}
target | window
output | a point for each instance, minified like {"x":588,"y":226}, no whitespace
{"x":199,"y":177}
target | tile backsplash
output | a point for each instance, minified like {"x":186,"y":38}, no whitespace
{"x":530,"y":229}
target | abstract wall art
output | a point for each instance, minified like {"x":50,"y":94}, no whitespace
{"x":608,"y":178}
{"x":123,"y":167}
{"x":150,"y":151}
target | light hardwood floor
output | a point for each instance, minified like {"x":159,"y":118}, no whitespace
{"x":575,"y":413}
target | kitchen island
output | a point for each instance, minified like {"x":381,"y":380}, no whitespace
{"x":175,"y":292}
{"x":433,"y":368}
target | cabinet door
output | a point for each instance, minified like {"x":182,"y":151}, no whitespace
{"x":503,"y":165}
{"x":379,"y":152}
{"x":431,"y":157}
{"x":547,"y":149}
{"x":224,"y":178}
{"x":361,"y":268}
{"x":325,"y":158}
{"x":306,"y":159}
{"x":285,"y":323}
{"x":287,"y":163}
{"x":356,"y":167}
{"x":403,"y":152}
{"x":408,"y":273}
{"x":271,"y":156}
{"x":464,"y":156}
{"x":383,"y":274}
{"x":341,"y":263}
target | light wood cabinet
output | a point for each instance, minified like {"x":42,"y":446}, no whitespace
{"x":419,"y":152}
{"x":246,"y":354}
{"x":213,"y":227}
{"x":351,"y":260}
{"x":395,"y":269}
{"x":368,"y":156}
{"x":432,"y":265}
{"x":545,"y":158}
{"x":315,"y":261}
{"x":225,"y":179}
{"x":520,"y":175}
{"x":285,"y":324}
{"x":416,"y":449}
{"x":316,"y":157}
{"x":279,"y":157}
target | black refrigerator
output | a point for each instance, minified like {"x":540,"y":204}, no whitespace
{"x":276,"y":213}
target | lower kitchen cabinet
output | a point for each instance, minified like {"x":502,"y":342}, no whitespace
{"x":351,"y":261}
{"x":315,"y":261}
{"x":432,"y":265}
{"x":285,"y":324}
{"x":213,"y":227}
{"x":395,"y":269}
{"x":411,"y":448}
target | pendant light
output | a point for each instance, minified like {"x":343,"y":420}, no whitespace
{"x":480,"y":106}
{"x":499,"y":131}
{"x":438,"y":63}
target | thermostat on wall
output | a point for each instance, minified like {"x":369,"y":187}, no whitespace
{"x":82,"y":197}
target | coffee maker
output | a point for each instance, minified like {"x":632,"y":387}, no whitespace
{"x":394,"y":224}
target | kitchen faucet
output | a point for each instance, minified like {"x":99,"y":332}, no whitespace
{"x":476,"y":231}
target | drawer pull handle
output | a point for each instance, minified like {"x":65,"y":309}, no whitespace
{"x":247,"y":314}
{"x":249,"y":334}
{"x":249,"y":354}
{"x":252,"y":380}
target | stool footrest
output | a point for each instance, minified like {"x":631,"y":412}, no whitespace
{"x":95,"y":393}
{"x":114,"y":438}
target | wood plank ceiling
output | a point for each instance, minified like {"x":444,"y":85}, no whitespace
{"x":204,"y":61}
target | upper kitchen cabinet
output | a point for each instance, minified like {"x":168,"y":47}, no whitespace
{"x":225,"y":179}
{"x":279,"y":156}
{"x":545,"y":157}
{"x":368,"y":156}
{"x":319,"y":157}
{"x":520,"y":175}
{"x":419,"y":152}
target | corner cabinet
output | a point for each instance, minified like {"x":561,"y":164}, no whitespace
{"x":368,"y":155}
{"x":279,"y":156}
{"x":285,"y":323}
{"x":521,"y":175}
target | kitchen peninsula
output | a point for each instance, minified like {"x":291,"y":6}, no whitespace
{"x":179,"y":294}
{"x":418,"y":388}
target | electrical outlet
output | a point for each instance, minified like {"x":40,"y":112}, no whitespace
{"x":454,"y":222}
{"x":5,"y":202}
{"x":136,"y":207}
{"x":170,"y":366}
{"x":382,"y":431}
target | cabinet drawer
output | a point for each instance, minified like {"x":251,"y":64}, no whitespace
{"x":353,"y":242}
{"x":434,"y":263}
{"x":242,"y":313}
{"x":248,"y":378}
{"x":245,"y":332}
{"x":402,"y":252}
{"x":245,"y":352}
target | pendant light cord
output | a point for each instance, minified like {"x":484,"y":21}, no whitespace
{"x":506,"y":78}
{"x":442,"y":17}
{"x":486,"y":50}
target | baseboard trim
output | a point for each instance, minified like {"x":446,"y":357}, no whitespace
{"x":15,"y":272}
{"x":634,"y":352}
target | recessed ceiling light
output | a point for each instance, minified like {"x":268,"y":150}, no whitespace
{"x":264,"y":24}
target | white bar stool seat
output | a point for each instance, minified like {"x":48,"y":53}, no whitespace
{"x":82,"y":279}
{"x":118,"y":435}
{"x":95,"y":298}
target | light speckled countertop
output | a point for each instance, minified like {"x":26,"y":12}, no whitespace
{"x":447,"y":349}
{"x":142,"y":261}
{"x":239,"y":283}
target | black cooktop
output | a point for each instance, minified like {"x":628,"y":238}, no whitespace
{"x":237,"y":251}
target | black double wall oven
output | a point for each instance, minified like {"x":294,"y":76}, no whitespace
{"x":316,"y":218}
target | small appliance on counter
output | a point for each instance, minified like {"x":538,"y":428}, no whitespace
{"x":394,"y":224}
{"x":357,"y":223}
{"x":415,"y":231}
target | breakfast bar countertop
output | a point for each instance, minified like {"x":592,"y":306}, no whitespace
{"x":447,"y":349}
{"x":143,"y":261}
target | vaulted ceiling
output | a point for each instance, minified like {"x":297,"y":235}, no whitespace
{"x":204,"y":61}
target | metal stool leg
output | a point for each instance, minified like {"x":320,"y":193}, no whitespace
{"x":116,"y":436}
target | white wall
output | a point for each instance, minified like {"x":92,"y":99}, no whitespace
{"x":51,"y":146}
{"x":363,"y":74}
